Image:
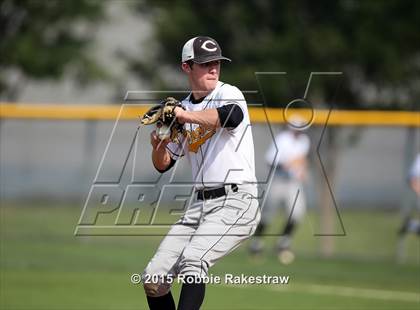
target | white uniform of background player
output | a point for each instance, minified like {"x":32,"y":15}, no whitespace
{"x":286,"y":188}
{"x":411,"y":222}
{"x":219,"y":146}
{"x":414,"y":175}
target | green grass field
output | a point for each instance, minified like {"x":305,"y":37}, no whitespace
{"x":44,"y":266}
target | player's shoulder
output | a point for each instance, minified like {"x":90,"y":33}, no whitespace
{"x":230,"y":91}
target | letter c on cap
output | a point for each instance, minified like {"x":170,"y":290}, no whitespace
{"x":210,"y":49}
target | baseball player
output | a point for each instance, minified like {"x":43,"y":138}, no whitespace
{"x":287,"y":187}
{"x":414,"y":175}
{"x":411,"y":224}
{"x":219,"y":146}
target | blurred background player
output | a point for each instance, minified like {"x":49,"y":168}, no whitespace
{"x":411,"y":223}
{"x":289,"y":157}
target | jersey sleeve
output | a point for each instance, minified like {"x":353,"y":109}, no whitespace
{"x":231,"y":95}
{"x":176,"y":150}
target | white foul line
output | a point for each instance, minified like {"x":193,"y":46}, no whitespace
{"x":339,"y":291}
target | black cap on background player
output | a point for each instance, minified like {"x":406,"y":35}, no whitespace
{"x":202,"y":50}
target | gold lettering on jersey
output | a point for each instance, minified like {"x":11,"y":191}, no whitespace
{"x":198,"y":137}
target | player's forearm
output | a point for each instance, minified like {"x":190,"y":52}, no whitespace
{"x":161,"y":159}
{"x":206,"y":118}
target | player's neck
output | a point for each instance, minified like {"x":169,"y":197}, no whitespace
{"x":198,"y":91}
{"x":199,"y":94}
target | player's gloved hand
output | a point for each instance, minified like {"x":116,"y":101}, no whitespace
{"x":169,"y":106}
{"x":179,"y":112}
{"x":164,"y":116}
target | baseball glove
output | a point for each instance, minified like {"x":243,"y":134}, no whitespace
{"x":163,"y":115}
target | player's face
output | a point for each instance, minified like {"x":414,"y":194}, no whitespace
{"x":205,"y":76}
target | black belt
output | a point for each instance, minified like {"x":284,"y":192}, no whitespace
{"x":204,"y":194}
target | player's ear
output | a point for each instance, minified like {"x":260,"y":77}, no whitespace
{"x":186,"y":67}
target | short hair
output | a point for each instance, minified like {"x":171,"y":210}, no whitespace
{"x":190,"y":63}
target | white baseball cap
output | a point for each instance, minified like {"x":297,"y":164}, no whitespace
{"x":202,"y":50}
